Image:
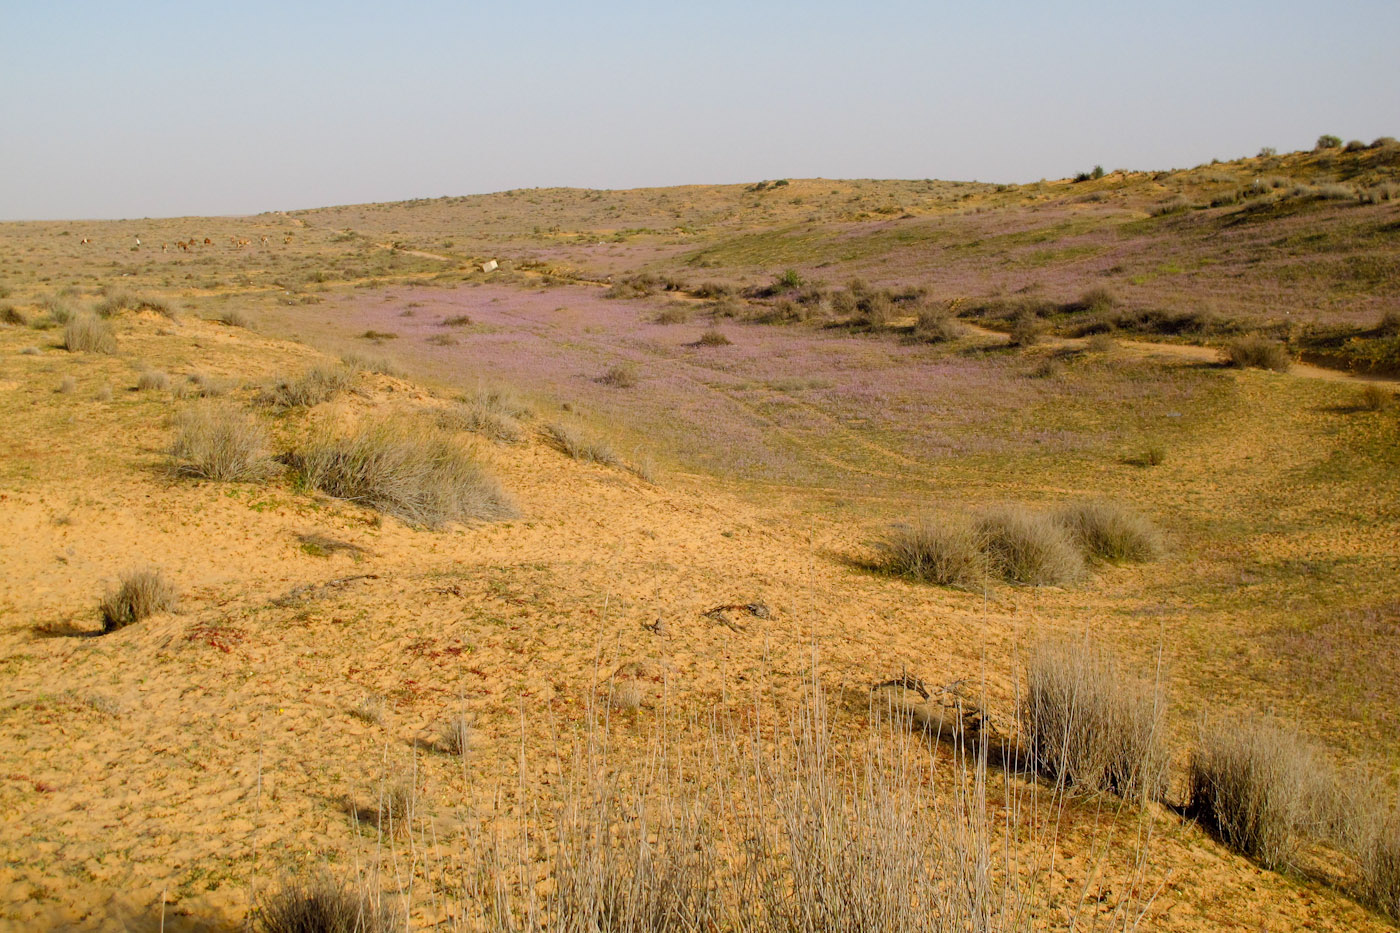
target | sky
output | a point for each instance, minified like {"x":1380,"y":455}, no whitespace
{"x":169,"y":109}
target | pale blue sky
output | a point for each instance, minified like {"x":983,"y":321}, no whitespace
{"x":155,"y":109}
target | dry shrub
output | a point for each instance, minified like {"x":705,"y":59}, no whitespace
{"x":232,"y":317}
{"x":1111,"y":531}
{"x":1258,"y":353}
{"x":10,"y":316}
{"x":104,"y":394}
{"x":493,"y":413}
{"x":316,"y":385}
{"x":570,"y":440}
{"x":1374,"y":398}
{"x":1028,"y":547}
{"x":713,"y":337}
{"x":141,"y":594}
{"x":1250,"y":783}
{"x":372,"y":364}
{"x":1026,"y":330}
{"x":153,"y":379}
{"x":676,"y":314}
{"x":322,"y":904}
{"x":379,"y":335}
{"x":219,"y":442}
{"x":88,"y":333}
{"x":67,"y":386}
{"x":204,"y":385}
{"x":125,"y":301}
{"x":1377,"y":852}
{"x":409,"y":469}
{"x":457,"y":320}
{"x":619,"y":376}
{"x":1089,"y":726}
{"x":938,"y":325}
{"x":1100,"y":343}
{"x":932,"y":551}
{"x":455,"y":737}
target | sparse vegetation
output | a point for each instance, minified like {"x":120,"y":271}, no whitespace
{"x":1090,"y":725}
{"x":220,"y":442}
{"x":322,"y":904}
{"x":1377,"y":852}
{"x":455,"y":737}
{"x":1374,"y":398}
{"x":929,"y":550}
{"x":1111,"y":531}
{"x":1257,"y":353}
{"x":713,"y":337}
{"x":316,"y":385}
{"x":1249,"y":782}
{"x":620,"y":376}
{"x":457,"y":320}
{"x":88,"y":333}
{"x":404,"y":468}
{"x":11,"y":317}
{"x":140,"y":595}
{"x":153,"y":380}
{"x":1029,"y":547}
{"x":577,"y":444}
{"x":233,"y":317}
{"x":1026,"y":330}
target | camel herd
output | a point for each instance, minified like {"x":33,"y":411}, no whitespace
{"x":194,"y":242}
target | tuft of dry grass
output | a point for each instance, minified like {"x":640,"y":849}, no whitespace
{"x":1256,"y":353}
{"x":1028,"y":547}
{"x":1088,"y":725}
{"x":572,"y":441}
{"x":322,"y":904}
{"x":1111,"y":531}
{"x":88,"y":333}
{"x":67,"y":386}
{"x":1026,"y":330}
{"x":491,"y":413}
{"x":10,"y":316}
{"x":948,"y":553}
{"x":316,"y":385}
{"x":455,"y":737}
{"x":713,"y":337}
{"x":1250,"y":783}
{"x":1377,"y":853}
{"x":1374,"y":398}
{"x":370,"y":710}
{"x":153,"y":380}
{"x":620,"y":376}
{"x":409,"y":469}
{"x":457,"y":320}
{"x":219,"y":442}
{"x":372,"y":364}
{"x":141,"y":594}
{"x":232,"y":317}
{"x":938,"y":325}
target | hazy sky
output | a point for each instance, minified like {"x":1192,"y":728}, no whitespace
{"x":153,"y":109}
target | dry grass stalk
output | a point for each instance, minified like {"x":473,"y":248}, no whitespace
{"x":409,"y":469}
{"x":141,"y":594}
{"x":1029,"y":547}
{"x":1089,"y":726}
{"x":219,"y":442}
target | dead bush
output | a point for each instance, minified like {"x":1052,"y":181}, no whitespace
{"x":1374,"y":398}
{"x":483,"y":419}
{"x":316,"y":385}
{"x":153,"y":379}
{"x":454,"y":738}
{"x":372,"y":364}
{"x":232,"y":317}
{"x":88,"y":333}
{"x":1249,"y":783}
{"x":10,"y":316}
{"x":409,"y":469}
{"x":1089,"y":725}
{"x":676,"y":314}
{"x":1377,"y":852}
{"x":929,"y":550}
{"x":1256,"y":353}
{"x":619,"y":376}
{"x":141,"y":594}
{"x":1111,"y":531}
{"x":219,"y":442}
{"x":1029,"y":547}
{"x":713,"y":337}
{"x":574,"y":442}
{"x":937,"y":325}
{"x":1026,"y":330}
{"x":322,"y":904}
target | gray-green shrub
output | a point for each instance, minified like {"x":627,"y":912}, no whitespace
{"x":1029,"y":547}
{"x":409,"y":469}
{"x":930,"y":550}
